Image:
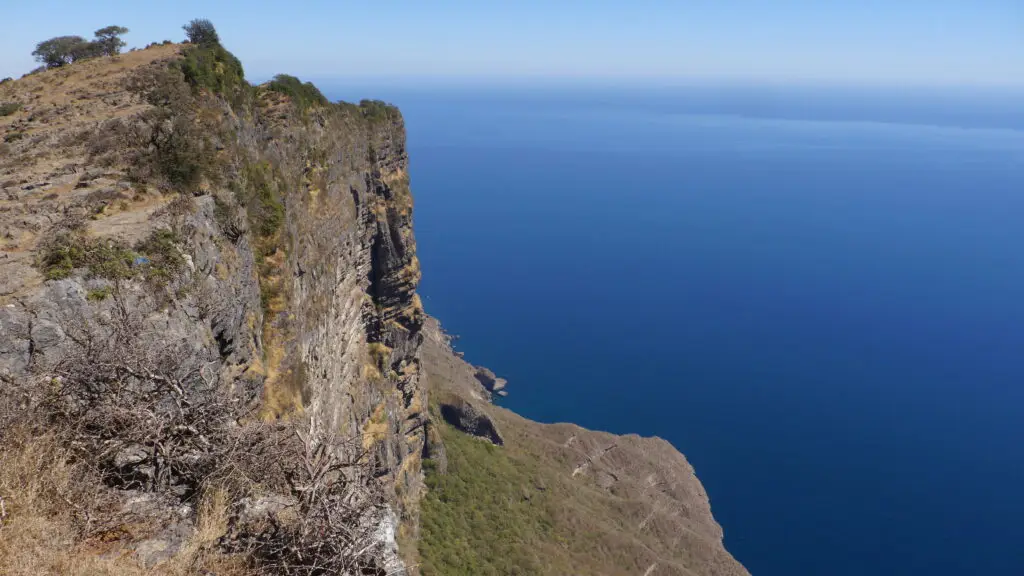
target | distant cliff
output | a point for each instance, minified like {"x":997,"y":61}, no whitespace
{"x":213,"y":357}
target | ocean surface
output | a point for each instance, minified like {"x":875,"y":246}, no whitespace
{"x":816,"y":295}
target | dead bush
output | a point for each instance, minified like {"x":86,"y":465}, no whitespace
{"x":146,"y":408}
{"x":330,"y":525}
{"x":129,"y":408}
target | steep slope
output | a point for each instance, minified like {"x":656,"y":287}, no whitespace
{"x":225,"y":239}
{"x":213,"y":358}
{"x":555,"y":498}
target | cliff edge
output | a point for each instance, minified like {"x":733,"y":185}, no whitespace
{"x":213,"y":358}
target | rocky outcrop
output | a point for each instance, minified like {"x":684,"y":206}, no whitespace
{"x":467,"y":419}
{"x":490,"y":381}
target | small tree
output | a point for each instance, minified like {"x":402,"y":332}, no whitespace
{"x":61,"y":50}
{"x":108,"y":41}
{"x":201,"y":31}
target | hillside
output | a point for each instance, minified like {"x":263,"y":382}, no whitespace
{"x":555,"y":498}
{"x":213,"y":358}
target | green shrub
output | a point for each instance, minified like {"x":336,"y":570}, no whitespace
{"x":261,"y":198}
{"x":14,"y":136}
{"x":303,"y":95}
{"x":98,"y":294}
{"x":201,"y":31}
{"x":62,"y":254}
{"x":155,"y":259}
{"x":109,"y":260}
{"x":211,"y":67}
{"x":8,"y":108}
{"x":163,"y":262}
{"x":174,"y":146}
{"x":182,"y":152}
{"x":376,"y":110}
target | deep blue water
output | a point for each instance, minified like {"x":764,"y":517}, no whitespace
{"x":817,"y":297}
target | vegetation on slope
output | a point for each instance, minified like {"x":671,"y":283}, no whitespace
{"x":304,"y":95}
{"x":531,"y":507}
{"x":155,"y":259}
{"x":488,"y":514}
{"x":212,"y":67}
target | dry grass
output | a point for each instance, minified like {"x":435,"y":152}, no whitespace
{"x":48,"y":527}
{"x":379,"y":353}
{"x":282,"y":387}
{"x":46,"y":143}
{"x":376,"y":427}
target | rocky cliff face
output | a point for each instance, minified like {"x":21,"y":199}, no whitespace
{"x":297,"y":285}
{"x":276,"y":273}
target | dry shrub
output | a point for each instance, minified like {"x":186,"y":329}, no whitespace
{"x":58,"y":518}
{"x":143,"y":406}
{"x":115,"y":142}
{"x":330,"y":527}
{"x":127,"y":410}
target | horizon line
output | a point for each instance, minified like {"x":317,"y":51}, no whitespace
{"x":667,"y":81}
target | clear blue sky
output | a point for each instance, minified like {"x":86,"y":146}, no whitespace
{"x":959,"y":42}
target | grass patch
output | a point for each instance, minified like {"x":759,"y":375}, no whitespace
{"x":486,"y":515}
{"x":8,"y":108}
{"x":258,"y":190}
{"x":48,"y":495}
{"x":379,"y":352}
{"x":213,"y":68}
{"x":270,"y":291}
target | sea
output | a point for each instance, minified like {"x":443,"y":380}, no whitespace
{"x":815,"y":293}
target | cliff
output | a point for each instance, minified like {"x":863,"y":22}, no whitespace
{"x":211,"y":347}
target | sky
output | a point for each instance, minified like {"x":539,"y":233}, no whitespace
{"x":869,"y":42}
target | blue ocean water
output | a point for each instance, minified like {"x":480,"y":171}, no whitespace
{"x":817,"y":296}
